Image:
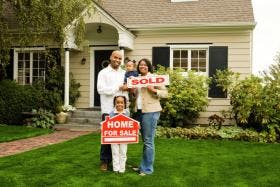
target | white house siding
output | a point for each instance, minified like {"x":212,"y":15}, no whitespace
{"x":81,"y":75}
{"x":239,"y":59}
{"x":239,"y":55}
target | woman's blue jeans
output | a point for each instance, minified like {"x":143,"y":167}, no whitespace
{"x":148,"y":122}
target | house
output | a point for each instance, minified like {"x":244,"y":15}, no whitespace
{"x":199,"y":35}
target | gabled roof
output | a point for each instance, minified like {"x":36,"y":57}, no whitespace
{"x":143,"y":13}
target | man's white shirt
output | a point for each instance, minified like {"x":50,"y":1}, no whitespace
{"x":108,"y":83}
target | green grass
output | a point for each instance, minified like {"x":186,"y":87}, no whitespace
{"x":9,"y":132}
{"x":178,"y":163}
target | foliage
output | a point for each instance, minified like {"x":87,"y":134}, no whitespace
{"x":74,"y":92}
{"x":42,"y":119}
{"x":39,"y":20}
{"x":187,"y":96}
{"x":216,"y":121}
{"x":187,"y":133}
{"x":255,"y":100}
{"x":246,"y":98}
{"x":15,"y":99}
{"x":54,"y":87}
{"x":229,"y":133}
{"x":226,"y":79}
{"x":271,"y":92}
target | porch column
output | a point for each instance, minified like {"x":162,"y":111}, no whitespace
{"x":122,"y":51}
{"x":66,"y":77}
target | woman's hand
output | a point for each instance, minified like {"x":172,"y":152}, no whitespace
{"x":152,"y":89}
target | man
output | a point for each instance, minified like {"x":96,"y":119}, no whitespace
{"x":109,"y":84}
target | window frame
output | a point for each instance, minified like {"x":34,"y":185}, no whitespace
{"x":190,"y":48}
{"x":16,"y":61}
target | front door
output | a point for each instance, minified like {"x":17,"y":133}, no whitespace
{"x":101,"y":59}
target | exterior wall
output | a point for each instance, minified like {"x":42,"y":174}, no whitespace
{"x":81,"y":75}
{"x":108,"y":37}
{"x":239,"y":55}
{"x":239,"y":59}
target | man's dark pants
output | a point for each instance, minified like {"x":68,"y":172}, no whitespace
{"x":105,"y":150}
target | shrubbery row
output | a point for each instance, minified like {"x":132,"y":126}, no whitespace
{"x":15,"y":99}
{"x":227,"y":133}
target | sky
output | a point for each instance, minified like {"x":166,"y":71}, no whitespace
{"x":266,"y":35}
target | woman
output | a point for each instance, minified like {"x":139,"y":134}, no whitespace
{"x":148,"y":112}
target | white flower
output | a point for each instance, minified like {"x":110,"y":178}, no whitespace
{"x":68,"y":108}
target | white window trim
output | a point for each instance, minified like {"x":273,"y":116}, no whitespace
{"x":27,"y":49}
{"x":198,"y":47}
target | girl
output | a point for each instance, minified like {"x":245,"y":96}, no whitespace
{"x":119,"y":150}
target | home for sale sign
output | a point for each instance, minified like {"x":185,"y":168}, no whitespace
{"x":119,"y":129}
{"x":143,"y":81}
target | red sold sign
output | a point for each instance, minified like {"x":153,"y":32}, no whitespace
{"x":143,"y":81}
{"x":119,"y":129}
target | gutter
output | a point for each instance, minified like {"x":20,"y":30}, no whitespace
{"x":221,"y":25}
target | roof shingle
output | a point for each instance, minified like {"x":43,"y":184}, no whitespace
{"x":157,"y":12}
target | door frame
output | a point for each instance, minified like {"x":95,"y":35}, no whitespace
{"x":92,"y":69}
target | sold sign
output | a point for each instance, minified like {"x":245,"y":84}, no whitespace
{"x":151,"y":80}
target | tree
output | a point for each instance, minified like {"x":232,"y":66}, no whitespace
{"x":38,"y":20}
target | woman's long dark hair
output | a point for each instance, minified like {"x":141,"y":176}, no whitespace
{"x":148,"y":63}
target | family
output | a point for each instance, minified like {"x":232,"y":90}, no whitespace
{"x":144,"y":102}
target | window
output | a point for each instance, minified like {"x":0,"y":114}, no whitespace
{"x":194,"y":59}
{"x":29,"y":66}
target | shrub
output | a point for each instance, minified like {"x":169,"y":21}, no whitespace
{"x":216,"y":121}
{"x":271,"y":93}
{"x":255,"y":100}
{"x":42,"y":119}
{"x":187,"y":96}
{"x":15,"y":99}
{"x":246,"y":98}
{"x":54,"y":88}
{"x":187,"y":133}
{"x":226,"y":133}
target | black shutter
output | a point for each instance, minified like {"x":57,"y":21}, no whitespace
{"x":10,"y":66}
{"x":161,"y":56}
{"x":218,"y":60}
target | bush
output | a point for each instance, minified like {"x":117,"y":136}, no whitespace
{"x":43,"y":119}
{"x":15,"y":99}
{"x":271,"y":94}
{"x":246,"y":98}
{"x":54,"y":88}
{"x":255,"y":100}
{"x":246,"y":101}
{"x":226,"y":133}
{"x":187,"y":97}
{"x":187,"y":133}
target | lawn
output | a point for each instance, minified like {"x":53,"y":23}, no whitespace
{"x":9,"y":132}
{"x":178,"y":163}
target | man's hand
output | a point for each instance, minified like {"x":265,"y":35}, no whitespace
{"x":123,"y":87}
